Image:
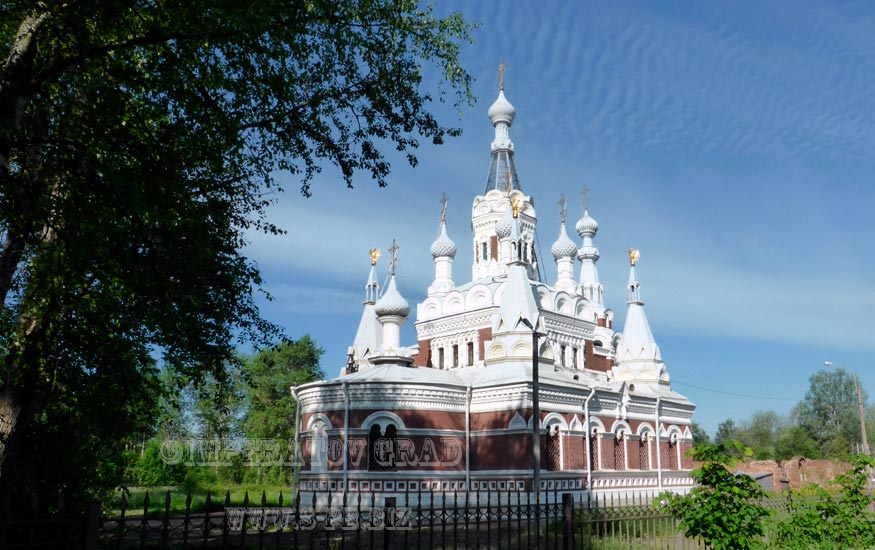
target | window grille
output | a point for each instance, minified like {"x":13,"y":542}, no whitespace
{"x":554,"y":450}
{"x":619,"y":452}
{"x":382,"y":449}
{"x":644,"y":453}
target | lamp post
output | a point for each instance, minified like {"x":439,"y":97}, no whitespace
{"x":864,"y":437}
{"x":536,"y":429}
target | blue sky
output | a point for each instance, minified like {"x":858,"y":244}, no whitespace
{"x":733,"y":143}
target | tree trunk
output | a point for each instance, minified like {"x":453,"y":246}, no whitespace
{"x":16,"y":416}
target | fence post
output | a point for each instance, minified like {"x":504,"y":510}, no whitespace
{"x":567,"y":521}
{"x":92,"y":525}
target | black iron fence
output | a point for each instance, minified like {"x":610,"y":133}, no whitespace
{"x":486,"y":519}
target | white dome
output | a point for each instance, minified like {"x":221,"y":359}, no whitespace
{"x":505,"y":224}
{"x":587,"y":226}
{"x":443,"y":246}
{"x":501,"y":110}
{"x":563,"y":247}
{"x":392,"y":302}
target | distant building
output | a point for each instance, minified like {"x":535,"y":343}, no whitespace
{"x":453,"y":412}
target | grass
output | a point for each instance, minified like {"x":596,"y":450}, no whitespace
{"x":178,"y":495}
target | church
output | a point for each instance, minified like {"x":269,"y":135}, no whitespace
{"x":453,"y":412}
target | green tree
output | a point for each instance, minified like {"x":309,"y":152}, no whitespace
{"x":829,"y":412}
{"x":700,"y":435}
{"x":270,"y":408}
{"x":725,"y":508}
{"x":139,"y":141}
{"x":842,"y":520}
{"x":726,"y":431}
{"x":761,"y":432}
{"x":796,"y":441}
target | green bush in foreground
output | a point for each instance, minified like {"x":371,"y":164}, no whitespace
{"x":833,"y":521}
{"x":725,"y":509}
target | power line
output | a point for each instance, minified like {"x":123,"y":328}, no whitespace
{"x":767,"y":398}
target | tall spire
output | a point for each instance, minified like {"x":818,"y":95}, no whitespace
{"x":587,"y":227}
{"x":372,"y":288}
{"x":368,"y":337}
{"x":638,"y":357}
{"x":501,"y":113}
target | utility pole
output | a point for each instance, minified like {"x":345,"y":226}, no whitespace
{"x":864,"y":447}
{"x":862,"y":414}
{"x":536,"y":430}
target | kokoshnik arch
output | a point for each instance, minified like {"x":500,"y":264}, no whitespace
{"x":453,"y":411}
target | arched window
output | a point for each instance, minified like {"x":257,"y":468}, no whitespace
{"x":382,"y":449}
{"x":673,"y":452}
{"x":593,"y":449}
{"x":620,"y":450}
{"x":644,"y":452}
{"x":470,"y":354}
{"x":554,"y":449}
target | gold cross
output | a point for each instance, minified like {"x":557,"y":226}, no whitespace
{"x":634,"y":256}
{"x":375,"y":255}
{"x":501,"y":68}
{"x":394,"y":251}
{"x":444,"y":201}
{"x":563,"y":203}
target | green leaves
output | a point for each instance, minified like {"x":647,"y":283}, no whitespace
{"x":139,"y":142}
{"x":843,"y":520}
{"x":725,"y":508}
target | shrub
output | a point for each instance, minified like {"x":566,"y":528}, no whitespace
{"x":725,"y":509}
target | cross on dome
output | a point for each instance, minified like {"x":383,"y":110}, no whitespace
{"x":444,"y":201}
{"x":502,"y":66}
{"x":563,"y":204}
{"x":585,"y":193}
{"x":394,"y":251}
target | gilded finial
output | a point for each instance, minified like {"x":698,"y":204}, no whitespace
{"x":375,"y":255}
{"x":394,"y":251}
{"x":634,"y":255}
{"x":502,"y":66}
{"x":563,"y":204}
{"x":516,"y":206}
{"x":444,"y":201}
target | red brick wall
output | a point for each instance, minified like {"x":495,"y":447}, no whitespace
{"x":632,"y":455}
{"x":606,"y":450}
{"x":574,"y":450}
{"x":593,"y":361}
{"x":423,"y":356}
{"x":483,"y":335}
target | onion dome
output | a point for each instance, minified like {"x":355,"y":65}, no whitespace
{"x":443,"y":246}
{"x":563,"y":247}
{"x":505,"y":224}
{"x":587,"y":226}
{"x":392,"y":302}
{"x":501,"y":110}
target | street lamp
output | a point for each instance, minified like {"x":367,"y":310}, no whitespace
{"x":536,"y":427}
{"x":865,"y":439}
